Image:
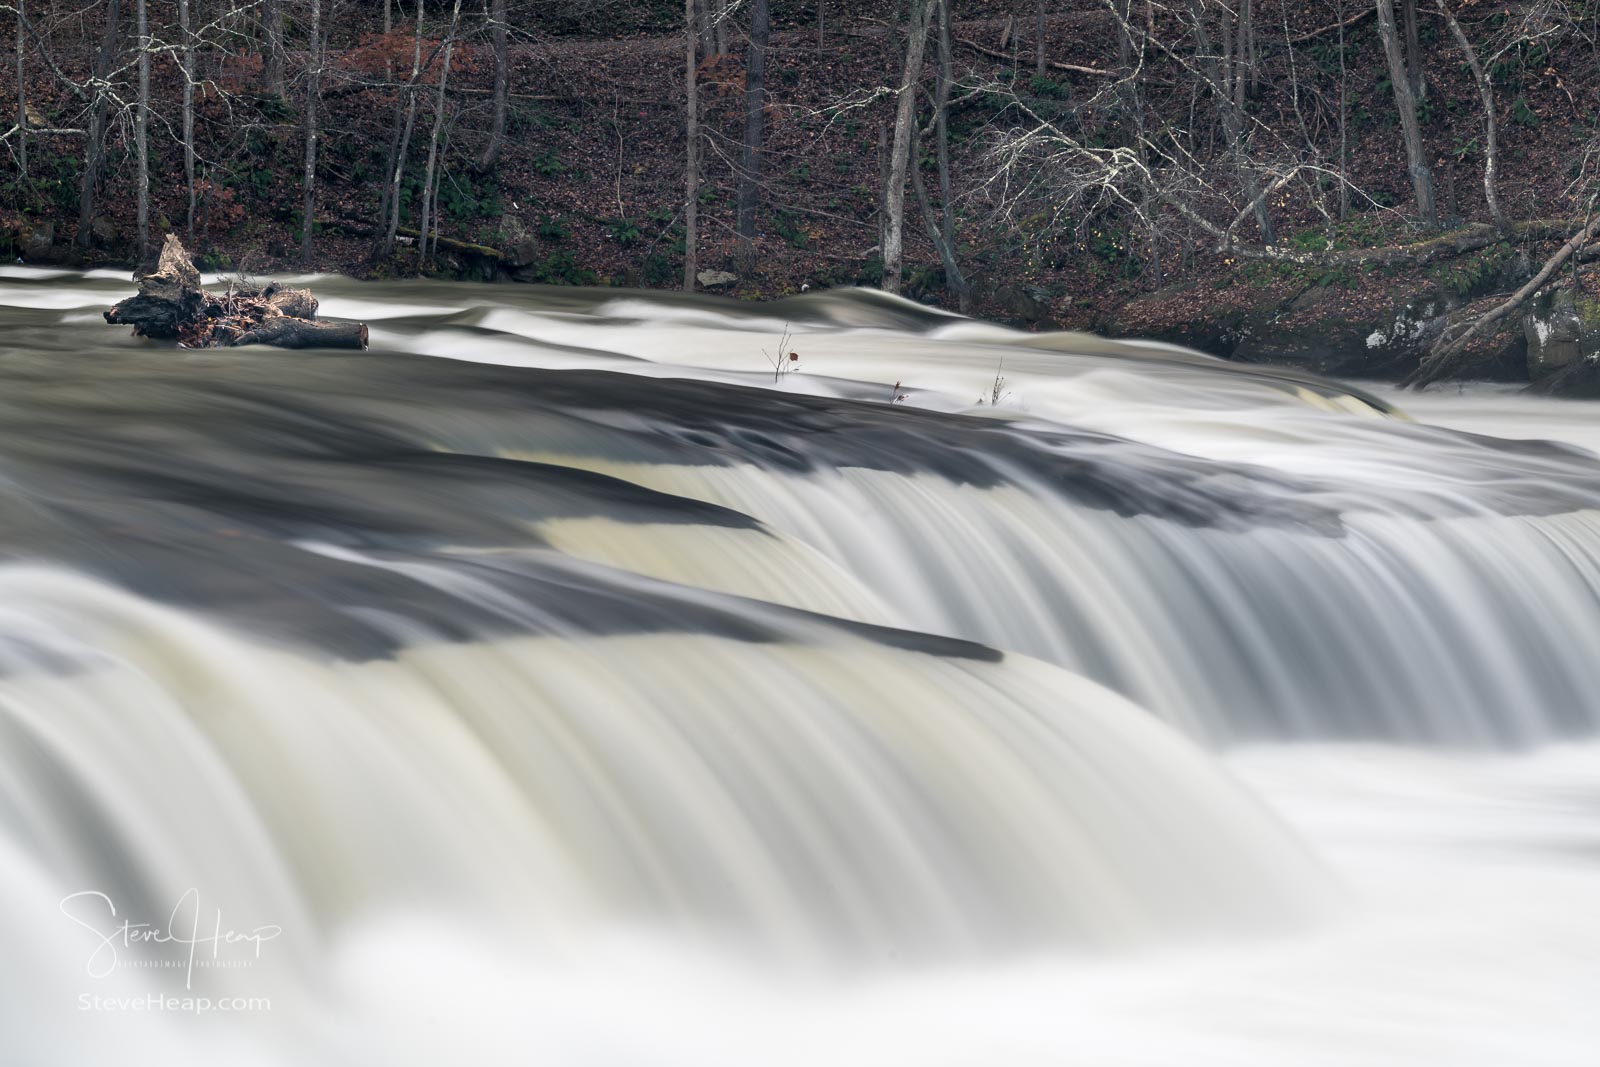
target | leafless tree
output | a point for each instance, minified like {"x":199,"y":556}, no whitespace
{"x":429,"y":191}
{"x":94,"y":153}
{"x":1491,"y":141}
{"x":22,"y":93}
{"x":1344,"y":119}
{"x":942,"y":227}
{"x":273,"y":61}
{"x":1067,"y":171}
{"x":691,"y":136}
{"x":755,"y":105}
{"x":1219,"y":79}
{"x":308,"y":213}
{"x":1038,"y":38}
{"x":1405,"y":102}
{"x":141,"y":128}
{"x":400,"y":148}
{"x":186,"y":65}
{"x":502,"y":85}
{"x":899,"y":153}
{"x":1245,"y":53}
{"x":702,"y":26}
{"x":1413,"y":51}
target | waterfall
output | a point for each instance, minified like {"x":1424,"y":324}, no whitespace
{"x":827,"y":791}
{"x":557,"y":672}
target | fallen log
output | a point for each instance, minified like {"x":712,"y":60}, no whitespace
{"x":285,"y":332}
{"x":1070,"y":68}
{"x":171,"y":305}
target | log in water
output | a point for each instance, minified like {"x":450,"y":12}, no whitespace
{"x":552,"y":684}
{"x":170,"y":305}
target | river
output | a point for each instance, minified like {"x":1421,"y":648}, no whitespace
{"x":576,"y":678}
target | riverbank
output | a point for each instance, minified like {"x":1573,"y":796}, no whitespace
{"x":588,"y":189}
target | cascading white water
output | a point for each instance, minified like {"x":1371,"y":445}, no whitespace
{"x":821,"y":801}
{"x":799,"y":793}
{"x":1473,"y":630}
{"x":588,"y":705}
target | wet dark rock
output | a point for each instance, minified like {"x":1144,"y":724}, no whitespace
{"x":1561,"y":326}
{"x":104,"y":232}
{"x":37,"y":239}
{"x":1579,"y":380}
{"x":1026,"y":304}
{"x":522,"y":253}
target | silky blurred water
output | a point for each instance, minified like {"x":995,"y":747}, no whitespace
{"x":557,"y":683}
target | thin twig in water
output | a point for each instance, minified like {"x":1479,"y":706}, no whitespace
{"x":997,"y":391}
{"x":785,"y":361}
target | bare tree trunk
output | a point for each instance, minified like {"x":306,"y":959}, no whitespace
{"x":403,"y":144}
{"x":755,"y":104}
{"x":1406,"y":103}
{"x":22,"y":99}
{"x":1038,"y":38}
{"x":187,"y":62}
{"x":1408,"y":18}
{"x":1131,"y":102}
{"x":883,"y":189}
{"x":394,"y":129}
{"x":691,"y":127}
{"x":821,"y":39}
{"x":941,"y":133}
{"x":720,"y":26}
{"x":1344,"y":125}
{"x":272,"y":66}
{"x":702,"y":22}
{"x":1245,"y":51}
{"x":94,"y":154}
{"x":430,"y":209}
{"x":313,"y":98}
{"x":1227,"y":33}
{"x":904,"y":121}
{"x":1231,"y":115}
{"x":1491,"y":149}
{"x":141,"y":130}
{"x":498,"y":34}
{"x":943,"y":236}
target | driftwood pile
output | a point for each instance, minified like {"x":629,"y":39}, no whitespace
{"x":172,"y":306}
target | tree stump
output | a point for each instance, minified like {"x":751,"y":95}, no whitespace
{"x":171,"y":305}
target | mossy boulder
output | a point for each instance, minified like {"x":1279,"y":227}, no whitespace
{"x":1332,"y":330}
{"x":1562,"y":326}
